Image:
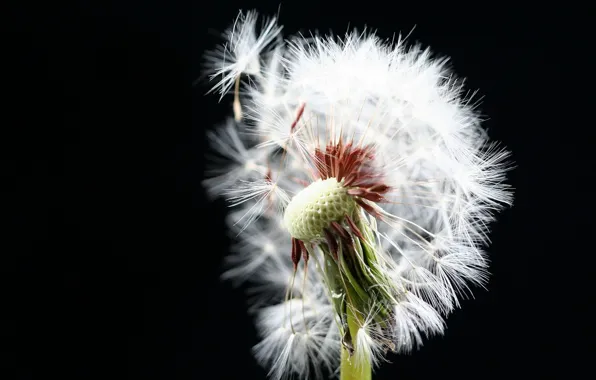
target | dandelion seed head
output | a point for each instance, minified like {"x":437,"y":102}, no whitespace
{"x":363,"y":188}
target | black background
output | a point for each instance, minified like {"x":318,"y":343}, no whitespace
{"x":113,"y":254}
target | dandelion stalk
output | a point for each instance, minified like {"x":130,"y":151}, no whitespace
{"x":348,"y":369}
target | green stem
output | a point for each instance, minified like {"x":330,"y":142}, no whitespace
{"x":347,"y":369}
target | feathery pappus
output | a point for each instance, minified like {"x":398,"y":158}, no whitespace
{"x":362,"y":186}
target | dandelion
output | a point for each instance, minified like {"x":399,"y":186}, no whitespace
{"x":363,"y":188}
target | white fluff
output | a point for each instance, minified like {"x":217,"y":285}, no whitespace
{"x":241,"y":53}
{"x":447,"y":183}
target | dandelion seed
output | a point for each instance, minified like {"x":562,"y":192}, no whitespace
{"x":240,"y":55}
{"x":363,"y":190}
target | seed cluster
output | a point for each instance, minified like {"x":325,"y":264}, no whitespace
{"x":313,"y":209}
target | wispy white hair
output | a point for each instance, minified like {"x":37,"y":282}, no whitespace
{"x":447,"y":182}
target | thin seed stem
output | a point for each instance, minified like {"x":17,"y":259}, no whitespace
{"x":304,"y":296}
{"x":236,"y":106}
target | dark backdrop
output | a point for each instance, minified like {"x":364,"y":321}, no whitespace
{"x":112,"y":254}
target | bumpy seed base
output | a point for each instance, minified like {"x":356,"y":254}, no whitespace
{"x":314,"y":208}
